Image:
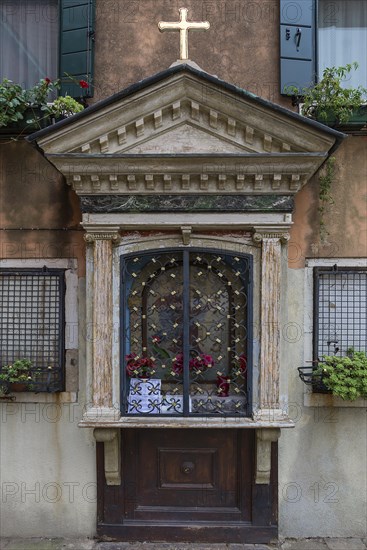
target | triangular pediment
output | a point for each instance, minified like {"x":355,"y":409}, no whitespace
{"x":151,"y":130}
{"x":186,"y":138}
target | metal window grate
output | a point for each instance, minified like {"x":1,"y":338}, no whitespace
{"x":32,"y":323}
{"x":186,"y":333}
{"x":340,"y":310}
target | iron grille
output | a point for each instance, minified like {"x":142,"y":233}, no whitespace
{"x":340,"y":310}
{"x":186,"y":333}
{"x":32,"y":322}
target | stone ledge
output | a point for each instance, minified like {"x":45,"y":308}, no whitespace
{"x":327,"y":400}
{"x":44,"y":397}
{"x":187,"y":422}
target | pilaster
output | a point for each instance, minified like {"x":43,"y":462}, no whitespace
{"x":102,"y":241}
{"x":270,"y":320}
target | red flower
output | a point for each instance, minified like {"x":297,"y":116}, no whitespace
{"x":140,"y":367}
{"x":83,"y":84}
{"x":47,"y":80}
{"x":200,"y":363}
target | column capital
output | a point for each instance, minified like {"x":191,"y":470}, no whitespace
{"x":103,"y":234}
{"x":261,"y":235}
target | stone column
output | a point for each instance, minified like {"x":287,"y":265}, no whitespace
{"x":102,"y":406}
{"x":270,"y":321}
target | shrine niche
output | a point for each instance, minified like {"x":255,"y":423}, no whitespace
{"x":186,"y":333}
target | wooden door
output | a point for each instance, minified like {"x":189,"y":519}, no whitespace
{"x":186,"y":485}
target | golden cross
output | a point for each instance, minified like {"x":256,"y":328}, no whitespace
{"x":184,"y":27}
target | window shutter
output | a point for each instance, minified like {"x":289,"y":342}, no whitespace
{"x":77,"y":46}
{"x":297,"y":44}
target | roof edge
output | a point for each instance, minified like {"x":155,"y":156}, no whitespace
{"x":184,"y":67}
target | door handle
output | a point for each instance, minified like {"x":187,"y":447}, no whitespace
{"x":187,"y":467}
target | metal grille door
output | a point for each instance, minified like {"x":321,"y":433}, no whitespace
{"x":186,"y":340}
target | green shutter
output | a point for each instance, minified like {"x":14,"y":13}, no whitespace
{"x":77,"y":19}
{"x":297,"y":44}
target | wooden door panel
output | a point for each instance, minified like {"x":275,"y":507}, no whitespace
{"x":183,"y":474}
{"x":193,"y":485}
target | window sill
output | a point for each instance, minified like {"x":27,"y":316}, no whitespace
{"x":184,"y":422}
{"x":327,"y":400}
{"x":57,"y":397}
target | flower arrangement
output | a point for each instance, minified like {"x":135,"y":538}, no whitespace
{"x":239,"y":368}
{"x":139,"y":367}
{"x":198,"y":364}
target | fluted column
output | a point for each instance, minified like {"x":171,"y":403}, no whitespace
{"x":102,"y":323}
{"x":270,"y":320}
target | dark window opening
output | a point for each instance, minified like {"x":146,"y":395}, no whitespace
{"x":32,"y":324}
{"x":340,"y":310}
{"x":186,"y":333}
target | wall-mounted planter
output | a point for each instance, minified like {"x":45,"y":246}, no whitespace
{"x":357,"y":121}
{"x":308,"y":376}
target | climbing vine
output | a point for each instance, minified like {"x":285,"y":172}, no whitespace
{"x":325,"y":197}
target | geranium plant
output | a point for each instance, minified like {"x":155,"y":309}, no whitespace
{"x":34,"y":106}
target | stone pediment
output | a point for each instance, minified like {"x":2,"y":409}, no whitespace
{"x":186,"y":138}
{"x":184,"y":131}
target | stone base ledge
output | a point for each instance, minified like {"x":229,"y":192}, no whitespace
{"x":327,"y":400}
{"x":187,"y":422}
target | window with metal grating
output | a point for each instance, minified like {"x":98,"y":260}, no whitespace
{"x":32,"y":323}
{"x":186,"y":333}
{"x":340,"y":310}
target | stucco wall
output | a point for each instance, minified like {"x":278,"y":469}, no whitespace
{"x":47,"y":463}
{"x":345,"y":219}
{"x":39,"y":214}
{"x":322,"y":461}
{"x":242,"y":45}
{"x":48,"y":471}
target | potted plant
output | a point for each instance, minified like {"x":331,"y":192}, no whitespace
{"x":15,"y":377}
{"x":332,"y":104}
{"x":345,"y":377}
{"x":27,"y":110}
{"x":63,"y":107}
